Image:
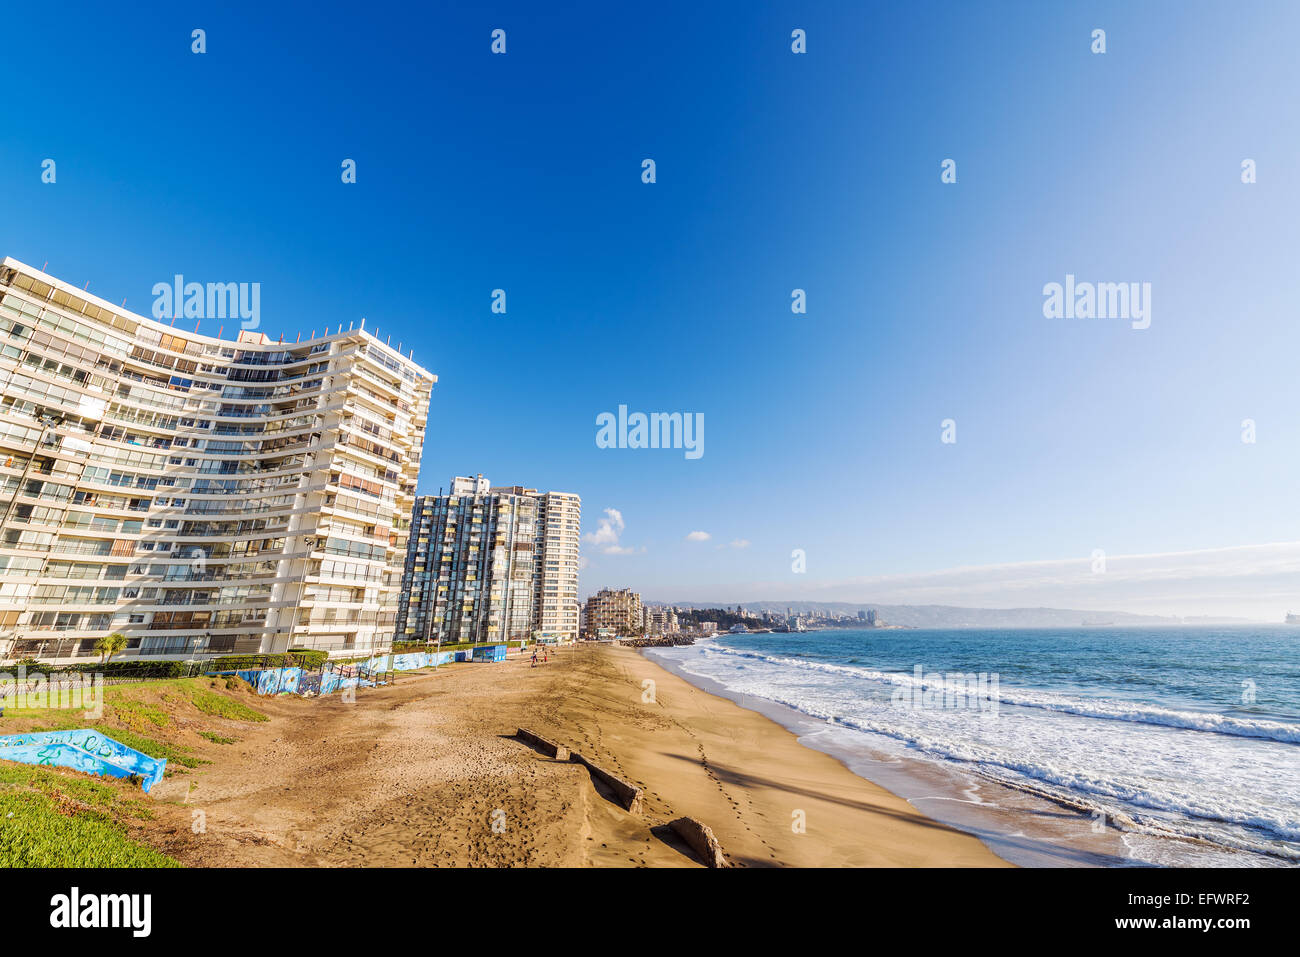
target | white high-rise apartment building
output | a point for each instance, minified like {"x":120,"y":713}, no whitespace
{"x":200,"y":495}
{"x":559,"y":539}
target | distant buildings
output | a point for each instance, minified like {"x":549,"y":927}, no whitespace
{"x":614,"y":611}
{"x":491,"y":564}
{"x":660,"y":621}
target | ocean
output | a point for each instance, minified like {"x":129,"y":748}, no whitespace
{"x":1126,"y":746}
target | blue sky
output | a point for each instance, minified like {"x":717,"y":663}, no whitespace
{"x":775,"y":171}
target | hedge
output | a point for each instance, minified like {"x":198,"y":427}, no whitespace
{"x":114,"y":669}
{"x":140,"y":669}
{"x":294,"y":658}
{"x":403,"y":647}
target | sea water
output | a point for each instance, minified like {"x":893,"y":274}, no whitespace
{"x":1182,"y":743}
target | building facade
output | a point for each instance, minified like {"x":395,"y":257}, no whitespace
{"x":200,"y":495}
{"x":614,"y":611}
{"x":661,"y":621}
{"x":555,"y":595}
{"x":491,"y":564}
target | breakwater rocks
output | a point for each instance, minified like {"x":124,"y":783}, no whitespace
{"x":668,"y":641}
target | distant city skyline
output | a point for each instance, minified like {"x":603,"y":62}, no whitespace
{"x":1254,"y":582}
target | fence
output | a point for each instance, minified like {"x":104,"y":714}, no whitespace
{"x":136,"y":671}
{"x":330,"y":676}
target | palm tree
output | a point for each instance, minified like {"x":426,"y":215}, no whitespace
{"x":110,"y":645}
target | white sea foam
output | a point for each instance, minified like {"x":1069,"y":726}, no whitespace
{"x":1228,"y":781}
{"x":1107,"y":709}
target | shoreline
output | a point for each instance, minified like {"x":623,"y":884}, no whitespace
{"x":1023,"y":829}
{"x":751,"y":780}
{"x":1027,"y":826}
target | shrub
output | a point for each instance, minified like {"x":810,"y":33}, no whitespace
{"x":140,"y":669}
{"x":295,"y":658}
{"x":309,"y":657}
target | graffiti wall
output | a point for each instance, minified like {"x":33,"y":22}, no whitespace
{"x":357,"y":674}
{"x":83,"y":750}
{"x":273,"y":680}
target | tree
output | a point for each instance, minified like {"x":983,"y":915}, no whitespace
{"x":110,"y":645}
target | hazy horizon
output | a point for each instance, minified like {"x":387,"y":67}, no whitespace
{"x":1254,"y":582}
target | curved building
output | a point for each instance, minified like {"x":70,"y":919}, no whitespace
{"x":200,"y":495}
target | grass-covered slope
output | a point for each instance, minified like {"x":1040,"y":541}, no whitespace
{"x":54,"y":817}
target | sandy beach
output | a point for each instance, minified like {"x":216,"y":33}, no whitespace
{"x":428,"y":773}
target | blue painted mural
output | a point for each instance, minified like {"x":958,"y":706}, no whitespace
{"x":273,"y":680}
{"x":359,"y":674}
{"x":83,"y":750}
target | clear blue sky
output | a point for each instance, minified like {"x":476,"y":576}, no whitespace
{"x":775,"y":171}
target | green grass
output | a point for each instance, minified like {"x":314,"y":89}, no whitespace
{"x":90,"y":790}
{"x":221,"y":706}
{"x":135,"y":714}
{"x":174,"y":753}
{"x":132,"y":719}
{"x":125,"y":704}
{"x":51,"y":820}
